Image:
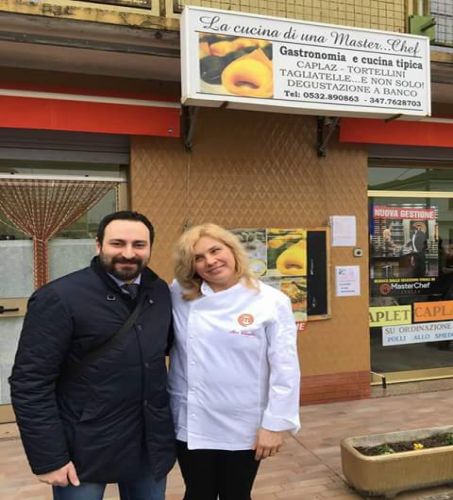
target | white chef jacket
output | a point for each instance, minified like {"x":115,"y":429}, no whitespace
{"x":233,"y":367}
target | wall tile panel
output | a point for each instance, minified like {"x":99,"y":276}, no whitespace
{"x":251,"y":169}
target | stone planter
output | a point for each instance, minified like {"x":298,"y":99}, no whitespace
{"x":388,"y":475}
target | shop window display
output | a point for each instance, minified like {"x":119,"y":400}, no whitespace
{"x":411,"y":270}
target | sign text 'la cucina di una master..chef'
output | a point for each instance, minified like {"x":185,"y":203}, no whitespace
{"x":255,"y":62}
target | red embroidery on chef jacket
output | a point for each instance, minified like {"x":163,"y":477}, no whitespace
{"x":246,"y":319}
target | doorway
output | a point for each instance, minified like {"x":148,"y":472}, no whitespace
{"x":71,"y":248}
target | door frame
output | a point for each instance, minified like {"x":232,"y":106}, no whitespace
{"x":6,"y":410}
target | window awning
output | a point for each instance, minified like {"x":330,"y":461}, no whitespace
{"x":82,"y":112}
{"x":431,"y":132}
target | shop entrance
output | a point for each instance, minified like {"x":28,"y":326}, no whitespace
{"x":32,"y":201}
{"x":411,"y":273}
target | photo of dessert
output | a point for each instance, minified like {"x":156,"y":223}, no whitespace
{"x":235,"y":66}
{"x":286,"y":252}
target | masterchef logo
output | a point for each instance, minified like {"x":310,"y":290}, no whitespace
{"x":414,"y":287}
{"x":385,"y":288}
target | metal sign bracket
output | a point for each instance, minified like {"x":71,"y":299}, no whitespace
{"x":189,"y":116}
{"x":326,"y":127}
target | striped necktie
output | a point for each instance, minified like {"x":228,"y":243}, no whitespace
{"x":131,"y":289}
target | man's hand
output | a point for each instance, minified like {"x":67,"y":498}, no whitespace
{"x":267,"y":443}
{"x":61,"y":477}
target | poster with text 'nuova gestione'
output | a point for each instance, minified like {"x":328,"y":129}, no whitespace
{"x":404,"y":249}
{"x":246,"y":61}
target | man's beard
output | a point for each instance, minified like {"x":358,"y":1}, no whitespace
{"x":122,"y":274}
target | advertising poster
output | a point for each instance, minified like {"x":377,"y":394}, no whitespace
{"x":404,"y":250}
{"x":279,"y":258}
{"x":286,"y":252}
{"x":296,"y":289}
{"x":275,"y":64}
{"x":440,"y":310}
{"x":390,"y":315}
{"x":415,"y":334}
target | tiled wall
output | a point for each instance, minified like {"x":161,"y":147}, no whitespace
{"x":256,"y":169}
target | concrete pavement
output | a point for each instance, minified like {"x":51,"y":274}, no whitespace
{"x":307,"y":468}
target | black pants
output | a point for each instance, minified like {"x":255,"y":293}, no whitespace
{"x":212,"y":474}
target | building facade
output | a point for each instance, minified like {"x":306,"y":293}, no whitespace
{"x":91,"y":90}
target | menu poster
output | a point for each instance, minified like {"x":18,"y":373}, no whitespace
{"x":279,"y":258}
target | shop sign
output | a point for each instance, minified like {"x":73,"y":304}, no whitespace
{"x":433,"y":311}
{"x":247,"y":61}
{"x":414,"y":334}
{"x":390,"y":315}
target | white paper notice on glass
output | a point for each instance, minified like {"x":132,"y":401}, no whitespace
{"x":344,"y":232}
{"x":347,"y":281}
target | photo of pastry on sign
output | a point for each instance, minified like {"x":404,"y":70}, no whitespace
{"x":286,"y":252}
{"x":238,"y":66}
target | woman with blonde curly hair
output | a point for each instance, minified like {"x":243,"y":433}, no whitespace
{"x":234,"y":373}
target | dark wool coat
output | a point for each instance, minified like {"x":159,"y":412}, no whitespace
{"x":111,"y":418}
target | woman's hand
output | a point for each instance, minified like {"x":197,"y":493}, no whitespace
{"x":267,"y":443}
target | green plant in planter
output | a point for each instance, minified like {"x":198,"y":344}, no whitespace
{"x":432,"y":441}
{"x":449,"y":438}
{"x":384,"y":449}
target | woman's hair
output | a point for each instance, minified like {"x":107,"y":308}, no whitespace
{"x":184,"y":258}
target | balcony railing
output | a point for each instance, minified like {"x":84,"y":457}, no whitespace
{"x":433,"y":18}
{"x":152,"y":7}
{"x":442,"y":11}
{"x":140,"y":4}
{"x":281,"y":8}
{"x":384,"y":14}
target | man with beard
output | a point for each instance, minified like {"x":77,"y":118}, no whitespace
{"x":89,"y":381}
